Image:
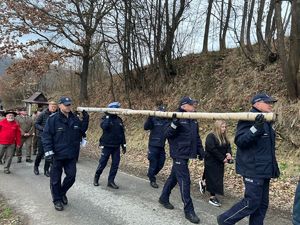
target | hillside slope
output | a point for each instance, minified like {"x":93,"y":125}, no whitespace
{"x":222,"y":83}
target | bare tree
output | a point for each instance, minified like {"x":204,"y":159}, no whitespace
{"x":224,"y":28}
{"x":290,"y":61}
{"x":249,"y":23}
{"x":207,"y":24}
{"x":67,"y":25}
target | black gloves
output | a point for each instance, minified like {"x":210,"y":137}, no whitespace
{"x":200,"y":157}
{"x":259,"y":121}
{"x":49,"y":158}
{"x":123,"y":148}
{"x":175,"y":121}
{"x":85,"y":113}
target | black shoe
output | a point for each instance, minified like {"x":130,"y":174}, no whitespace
{"x":96,"y":180}
{"x":214,"y":201}
{"x":112,"y":185}
{"x":58,"y":206}
{"x":167,"y":204}
{"x":46,"y":173}
{"x":19,"y":160}
{"x":192,"y":217}
{"x":64,"y":200}
{"x":36,"y":170}
{"x":29,"y":160}
{"x":153,"y":184}
{"x":1,"y":162}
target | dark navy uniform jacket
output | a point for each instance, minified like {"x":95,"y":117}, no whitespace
{"x":41,"y":121}
{"x":157,"y":126}
{"x":255,"y":157}
{"x":62,"y":135}
{"x":184,"y":140}
{"x":113,"y":131}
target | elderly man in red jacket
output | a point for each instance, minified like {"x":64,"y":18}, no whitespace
{"x":10,"y":138}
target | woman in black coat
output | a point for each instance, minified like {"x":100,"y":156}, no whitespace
{"x":218,"y":152}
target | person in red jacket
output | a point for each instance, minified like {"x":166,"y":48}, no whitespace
{"x":10,"y":138}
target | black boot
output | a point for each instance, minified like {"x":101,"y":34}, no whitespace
{"x":96,"y":180}
{"x":36,"y":170}
{"x":192,"y":217}
{"x":29,"y":160}
{"x":153,"y":184}
{"x":19,"y":160}
{"x":46,"y":173}
{"x":112,"y":185}
{"x":166,"y":204}
{"x":64,"y":200}
{"x":58,"y":206}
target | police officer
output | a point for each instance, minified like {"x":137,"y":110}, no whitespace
{"x":112,"y":138}
{"x":39,"y":125}
{"x":61,"y":141}
{"x":26,"y":124}
{"x":156,"y":145}
{"x":256,"y":162}
{"x":185,"y":143}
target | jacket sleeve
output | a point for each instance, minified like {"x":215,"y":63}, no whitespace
{"x":85,"y":125}
{"x":38,"y":122}
{"x":124,"y":137}
{"x":149,"y":123}
{"x":200,"y":150}
{"x":246,"y":134}
{"x":48,"y":136}
{"x":211,"y":146}
{"x":18,"y":136}
{"x":31,"y":131}
{"x":105,"y":123}
{"x":171,"y":130}
{"x":228,"y":149}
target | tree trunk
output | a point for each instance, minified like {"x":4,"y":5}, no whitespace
{"x":223,"y":40}
{"x":294,"y":54}
{"x":249,"y":45}
{"x":282,"y":53}
{"x":221,"y":23}
{"x":83,"y":96}
{"x":268,"y":30}
{"x":207,"y":24}
{"x":259,"y":34}
{"x":245,"y":11}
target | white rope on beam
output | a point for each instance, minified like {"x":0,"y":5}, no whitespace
{"x":249,"y":116}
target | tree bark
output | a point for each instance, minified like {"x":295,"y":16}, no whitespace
{"x":84,"y":79}
{"x":282,"y":53}
{"x":223,"y":39}
{"x":259,"y":34}
{"x":207,"y":24}
{"x":245,"y":11}
{"x":268,"y":30}
{"x":249,"y":45}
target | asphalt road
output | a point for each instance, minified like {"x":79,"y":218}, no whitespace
{"x":134,"y":203}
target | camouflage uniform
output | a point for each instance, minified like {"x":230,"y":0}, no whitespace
{"x":34,"y":137}
{"x":27,"y":129}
